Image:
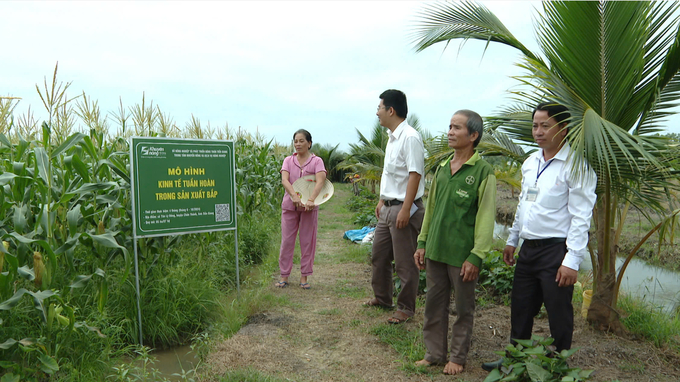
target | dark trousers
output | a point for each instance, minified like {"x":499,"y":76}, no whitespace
{"x":534,"y":285}
{"x":391,"y":243}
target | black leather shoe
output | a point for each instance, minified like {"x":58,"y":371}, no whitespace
{"x":488,"y":366}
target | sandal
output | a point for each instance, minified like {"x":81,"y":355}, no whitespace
{"x":374,"y":302}
{"x":398,"y":317}
{"x":281,"y":284}
{"x":305,"y":286}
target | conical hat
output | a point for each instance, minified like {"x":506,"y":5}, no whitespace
{"x":304,"y":187}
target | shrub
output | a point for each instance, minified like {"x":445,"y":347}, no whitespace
{"x":257,"y":236}
{"x":363,"y":205}
{"x":495,"y":277}
{"x":533,"y":360}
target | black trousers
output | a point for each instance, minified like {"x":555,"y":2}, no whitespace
{"x":534,"y":285}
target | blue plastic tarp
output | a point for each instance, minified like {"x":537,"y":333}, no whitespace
{"x":356,"y":235}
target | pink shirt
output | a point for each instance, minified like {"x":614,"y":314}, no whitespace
{"x":314,"y":164}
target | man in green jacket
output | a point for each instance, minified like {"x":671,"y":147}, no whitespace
{"x":456,"y":234}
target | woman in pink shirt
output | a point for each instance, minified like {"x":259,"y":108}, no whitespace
{"x":299,"y":215}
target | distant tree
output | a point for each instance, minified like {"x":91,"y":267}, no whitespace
{"x":331,"y":157}
{"x":674,"y":137}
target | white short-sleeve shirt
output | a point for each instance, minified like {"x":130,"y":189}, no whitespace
{"x":404,"y":153}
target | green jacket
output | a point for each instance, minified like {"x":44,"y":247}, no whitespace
{"x":460,"y":213}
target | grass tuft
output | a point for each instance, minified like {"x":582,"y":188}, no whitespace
{"x":329,"y":312}
{"x":654,"y":324}
{"x":355,"y":253}
{"x":408,"y":343}
{"x":248,"y":375}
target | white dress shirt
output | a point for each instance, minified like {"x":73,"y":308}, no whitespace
{"x":404,"y":153}
{"x":563,"y":206}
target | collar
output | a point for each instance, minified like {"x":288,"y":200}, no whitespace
{"x":297,"y":162}
{"x":470,"y":162}
{"x":397,"y":132}
{"x":561,"y":155}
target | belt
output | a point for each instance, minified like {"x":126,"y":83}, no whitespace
{"x":543,"y":242}
{"x":396,"y":202}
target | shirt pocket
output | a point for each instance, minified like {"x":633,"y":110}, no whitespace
{"x":391,"y":168}
{"x":554,"y":197}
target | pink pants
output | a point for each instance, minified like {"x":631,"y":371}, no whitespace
{"x":291,"y":223}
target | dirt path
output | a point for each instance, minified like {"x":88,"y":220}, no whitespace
{"x":325,"y":334}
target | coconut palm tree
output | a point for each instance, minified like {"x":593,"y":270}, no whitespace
{"x":615,"y":65}
{"x":331,"y":157}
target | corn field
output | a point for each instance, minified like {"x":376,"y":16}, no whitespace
{"x":66,"y":281}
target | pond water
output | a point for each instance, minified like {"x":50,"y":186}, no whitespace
{"x":500,"y":231}
{"x":655,"y":285}
{"x":175,"y":361}
{"x":650,"y":283}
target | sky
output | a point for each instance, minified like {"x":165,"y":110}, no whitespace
{"x":267,"y":67}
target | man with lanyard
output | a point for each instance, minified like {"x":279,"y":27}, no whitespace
{"x":456,"y":235}
{"x":400,"y":209}
{"x":553,"y":217}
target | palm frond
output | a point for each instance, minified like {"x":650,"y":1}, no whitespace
{"x":465,"y":20}
{"x":438,"y":150}
{"x":664,"y":55}
{"x":499,"y":143}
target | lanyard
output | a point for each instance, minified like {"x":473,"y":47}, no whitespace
{"x":538,"y":173}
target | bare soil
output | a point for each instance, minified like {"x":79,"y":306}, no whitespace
{"x":324,"y":334}
{"x":506,"y":204}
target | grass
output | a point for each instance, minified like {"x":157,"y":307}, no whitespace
{"x":408,"y":343}
{"x":329,"y":312}
{"x":373,"y":312}
{"x":354,"y":253}
{"x":635,"y":367}
{"x":334,"y":208}
{"x":334,"y":225}
{"x":345,"y":288}
{"x":650,"y":322}
{"x":248,"y":375}
{"x":327,"y":341}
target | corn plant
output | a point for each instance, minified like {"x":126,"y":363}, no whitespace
{"x":257,"y":176}
{"x":66,"y":219}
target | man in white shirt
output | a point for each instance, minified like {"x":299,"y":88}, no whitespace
{"x":400,"y":209}
{"x":553,"y":218}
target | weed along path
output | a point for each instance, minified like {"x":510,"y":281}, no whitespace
{"x":325,"y":334}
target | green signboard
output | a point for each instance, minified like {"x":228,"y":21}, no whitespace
{"x":182,"y":186}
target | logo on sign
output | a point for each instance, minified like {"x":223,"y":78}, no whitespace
{"x":151,"y":151}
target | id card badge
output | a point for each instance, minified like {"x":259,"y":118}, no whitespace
{"x":532,"y":194}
